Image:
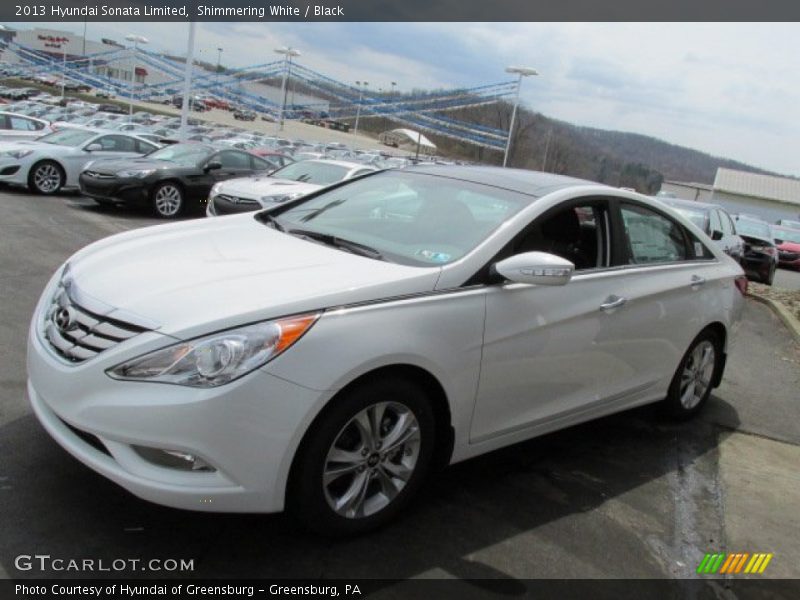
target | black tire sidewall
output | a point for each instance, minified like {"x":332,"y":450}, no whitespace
{"x":32,"y":177}
{"x":156,"y":189}
{"x":672,"y":404}
{"x":305,"y":496}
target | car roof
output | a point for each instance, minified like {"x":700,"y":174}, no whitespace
{"x":339,"y":163}
{"x":532,"y":183}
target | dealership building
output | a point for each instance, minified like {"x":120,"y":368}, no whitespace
{"x":55,"y":44}
{"x":766,"y":196}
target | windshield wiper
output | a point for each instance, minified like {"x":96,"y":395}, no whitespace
{"x":317,"y":212}
{"x":271,"y":220}
{"x":337,"y":242}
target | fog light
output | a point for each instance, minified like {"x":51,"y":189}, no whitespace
{"x":174,"y":459}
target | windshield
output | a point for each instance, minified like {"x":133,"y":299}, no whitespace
{"x":754,"y":228}
{"x":68,"y":137}
{"x":786,"y":235}
{"x":311,"y":171}
{"x":182,"y":154}
{"x":408,"y":218}
{"x":695,"y":216}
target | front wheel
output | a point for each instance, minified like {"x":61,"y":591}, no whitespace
{"x":692,"y":383}
{"x":46,"y":177}
{"x":167,"y":200}
{"x":770,"y":277}
{"x":364,"y":458}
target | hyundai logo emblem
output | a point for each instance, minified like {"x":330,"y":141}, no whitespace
{"x":64,"y":319}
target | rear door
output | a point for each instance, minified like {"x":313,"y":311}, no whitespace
{"x":671,"y":282}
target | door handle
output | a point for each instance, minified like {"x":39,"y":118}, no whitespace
{"x":613,"y":302}
{"x":697,"y":281}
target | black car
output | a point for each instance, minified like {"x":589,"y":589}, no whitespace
{"x":244,"y":115}
{"x":714,"y":221}
{"x":170,"y":179}
{"x":760,"y":252}
{"x":115,"y":109}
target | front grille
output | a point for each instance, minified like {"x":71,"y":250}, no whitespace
{"x":78,"y":334}
{"x":237,"y":200}
{"x":98,"y":175}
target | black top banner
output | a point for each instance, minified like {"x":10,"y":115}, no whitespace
{"x":400,"y":10}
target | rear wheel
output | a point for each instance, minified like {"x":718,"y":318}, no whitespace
{"x":167,"y":200}
{"x":693,"y":381}
{"x":46,"y":177}
{"x":364,"y":458}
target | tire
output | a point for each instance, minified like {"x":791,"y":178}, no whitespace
{"x":372,"y":482}
{"x":46,"y":177}
{"x":698,"y":367}
{"x":770,"y":276}
{"x":168,"y":200}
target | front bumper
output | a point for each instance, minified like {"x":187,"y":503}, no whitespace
{"x":789,"y":259}
{"x":115,"y":190}
{"x":757,"y":264}
{"x":12,"y":171}
{"x":247,"y":430}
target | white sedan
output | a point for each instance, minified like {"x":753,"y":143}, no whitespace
{"x":53,"y":162}
{"x":327,"y":355}
{"x":287,"y":183}
{"x":21,"y":127}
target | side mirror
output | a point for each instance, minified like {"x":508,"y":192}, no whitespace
{"x":213,"y":165}
{"x":538,"y":268}
{"x":93,"y":147}
{"x":716,"y":235}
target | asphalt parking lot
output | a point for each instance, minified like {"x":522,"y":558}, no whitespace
{"x":629,"y":496}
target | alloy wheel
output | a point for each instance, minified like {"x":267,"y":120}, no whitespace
{"x":168,"y":200}
{"x":47,"y":178}
{"x":371,"y":460}
{"x":697,"y":373}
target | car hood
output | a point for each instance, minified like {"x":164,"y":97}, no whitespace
{"x":192,"y":278}
{"x":129,"y":164}
{"x":256,"y":187}
{"x":756,"y":240}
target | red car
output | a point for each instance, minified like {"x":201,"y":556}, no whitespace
{"x":788,"y":242}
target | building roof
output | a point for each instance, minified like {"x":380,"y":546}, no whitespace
{"x":769,"y":187}
{"x":691,"y":184}
{"x":415,"y":136}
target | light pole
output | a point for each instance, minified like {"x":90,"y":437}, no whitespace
{"x":522,"y":72}
{"x":187,"y":82}
{"x":358,"y":109}
{"x":288,"y":52}
{"x":219,"y":63}
{"x":136,"y":39}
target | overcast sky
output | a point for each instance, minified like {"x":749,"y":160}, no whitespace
{"x":728,"y":89}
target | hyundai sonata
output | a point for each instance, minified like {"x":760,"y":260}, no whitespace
{"x":325,"y":356}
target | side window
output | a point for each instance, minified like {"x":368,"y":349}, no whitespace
{"x":116,"y":143}
{"x":727,"y":218}
{"x":259,"y":164}
{"x":143,"y":147}
{"x":4,"y":122}
{"x":714,"y":223}
{"x":652,"y":237}
{"x":578,"y":233}
{"x":727,"y":229}
{"x":20,"y":124}
{"x":234,"y":160}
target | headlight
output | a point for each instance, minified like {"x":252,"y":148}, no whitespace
{"x":277,"y":199}
{"x":17,"y":153}
{"x":219,"y":358}
{"x":138,"y":173}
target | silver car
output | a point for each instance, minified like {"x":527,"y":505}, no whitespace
{"x":326,"y":355}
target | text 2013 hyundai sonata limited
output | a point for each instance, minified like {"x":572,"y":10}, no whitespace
{"x":324,"y":356}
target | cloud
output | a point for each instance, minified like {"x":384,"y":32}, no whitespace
{"x":725,"y":88}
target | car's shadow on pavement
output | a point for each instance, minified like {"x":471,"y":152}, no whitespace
{"x":557,"y":506}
